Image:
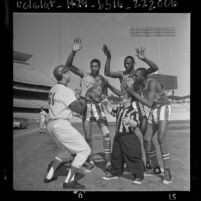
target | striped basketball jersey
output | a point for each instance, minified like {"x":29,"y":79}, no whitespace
{"x":126,"y":79}
{"x":97,"y":90}
{"x":122,"y":112}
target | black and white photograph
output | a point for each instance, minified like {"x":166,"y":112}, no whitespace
{"x":85,"y":85}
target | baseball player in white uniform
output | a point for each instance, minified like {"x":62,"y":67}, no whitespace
{"x":42,"y":119}
{"x":62,"y":102}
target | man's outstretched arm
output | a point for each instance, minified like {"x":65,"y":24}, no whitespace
{"x":107,"y":71}
{"x":151,"y":94}
{"x":152,"y":66}
{"x":114,"y":90}
{"x":76,"y":47}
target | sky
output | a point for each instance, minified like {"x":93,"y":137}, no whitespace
{"x":49,"y":38}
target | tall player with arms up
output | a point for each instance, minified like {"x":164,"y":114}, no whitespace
{"x":97,"y":87}
{"x":127,"y":78}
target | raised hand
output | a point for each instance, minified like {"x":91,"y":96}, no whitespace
{"x":140,"y":53}
{"x":106,"y":51}
{"x":77,"y":44}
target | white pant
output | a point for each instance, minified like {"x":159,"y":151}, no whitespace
{"x":71,"y":139}
{"x":42,"y":124}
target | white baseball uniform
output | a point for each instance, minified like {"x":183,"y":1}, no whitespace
{"x":59,"y":126}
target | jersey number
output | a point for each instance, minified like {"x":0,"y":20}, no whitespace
{"x":51,"y":98}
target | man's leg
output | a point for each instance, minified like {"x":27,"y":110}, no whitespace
{"x":41,"y":126}
{"x":132,"y":153}
{"x":63,"y":155}
{"x":153,"y":162}
{"x":76,"y":143}
{"x":103,"y":125}
{"x":162,"y":133}
{"x":116,"y":161}
{"x":147,"y":140}
{"x":87,"y":127}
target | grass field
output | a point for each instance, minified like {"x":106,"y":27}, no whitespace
{"x":33,"y":151}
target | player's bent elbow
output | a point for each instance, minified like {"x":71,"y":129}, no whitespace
{"x":77,"y":107}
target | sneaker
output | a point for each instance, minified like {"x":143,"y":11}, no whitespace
{"x":167,"y":179}
{"x":73,"y":184}
{"x":152,"y":171}
{"x":109,"y":176}
{"x":89,"y":167}
{"x":137,"y":181}
{"x":157,"y":171}
{"x":49,"y":180}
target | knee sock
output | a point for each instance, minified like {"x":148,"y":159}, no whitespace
{"x":71,"y":174}
{"x":107,"y":147}
{"x":89,"y":141}
{"x":57,"y":161}
{"x":153,"y":156}
{"x":165,"y":155}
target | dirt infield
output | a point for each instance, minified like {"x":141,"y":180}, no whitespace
{"x":33,"y":151}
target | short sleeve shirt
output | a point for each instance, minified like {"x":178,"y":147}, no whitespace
{"x":97,"y":89}
{"x":42,"y":115}
{"x":60,"y":97}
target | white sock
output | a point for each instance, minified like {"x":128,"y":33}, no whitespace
{"x":50,"y":173}
{"x":68,"y":177}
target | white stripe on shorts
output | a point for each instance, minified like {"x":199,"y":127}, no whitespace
{"x":163,"y":114}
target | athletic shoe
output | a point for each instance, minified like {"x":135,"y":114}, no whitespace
{"x":109,"y":176}
{"x":73,"y":184}
{"x":53,"y":177}
{"x":89,"y":167}
{"x":49,"y":180}
{"x":137,"y":181}
{"x":148,"y":165}
{"x":167,"y":179}
{"x":152,"y":171}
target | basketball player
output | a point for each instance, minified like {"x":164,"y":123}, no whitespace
{"x":154,"y":97}
{"x":97,"y":87}
{"x":127,"y":78}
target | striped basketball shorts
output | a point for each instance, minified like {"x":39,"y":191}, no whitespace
{"x":159,"y":114}
{"x":95,"y":112}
